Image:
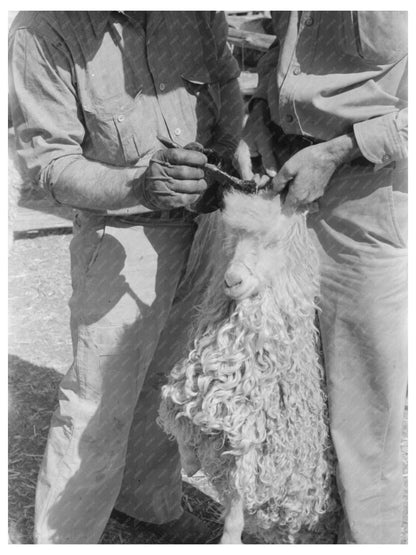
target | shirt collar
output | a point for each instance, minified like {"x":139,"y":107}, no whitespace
{"x":99,"y":21}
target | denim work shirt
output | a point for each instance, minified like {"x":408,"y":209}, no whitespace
{"x":100,"y":86}
{"x":330,"y":73}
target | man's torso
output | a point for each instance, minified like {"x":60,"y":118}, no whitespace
{"x":131,"y":83}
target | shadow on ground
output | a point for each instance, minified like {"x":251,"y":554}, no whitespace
{"x":32,"y":399}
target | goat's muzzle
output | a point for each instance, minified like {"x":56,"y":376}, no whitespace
{"x":239,"y":282}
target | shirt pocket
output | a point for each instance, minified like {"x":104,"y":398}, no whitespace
{"x":119,"y":130}
{"x":375,"y":37}
{"x":136,"y":127}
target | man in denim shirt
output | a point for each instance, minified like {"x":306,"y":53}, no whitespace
{"x":90,"y":93}
{"x":329,"y":120}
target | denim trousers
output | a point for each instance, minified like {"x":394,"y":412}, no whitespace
{"x":360,"y":231}
{"x":134,"y":293}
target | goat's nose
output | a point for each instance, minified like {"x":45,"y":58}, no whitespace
{"x":233,"y":276}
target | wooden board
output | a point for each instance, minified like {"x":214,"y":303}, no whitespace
{"x":256,"y":41}
{"x":40,"y":215}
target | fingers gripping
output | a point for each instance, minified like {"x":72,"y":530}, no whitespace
{"x":175,"y":177}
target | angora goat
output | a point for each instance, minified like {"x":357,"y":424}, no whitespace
{"x":248,"y":404}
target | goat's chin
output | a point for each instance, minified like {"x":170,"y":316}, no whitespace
{"x":244,"y":291}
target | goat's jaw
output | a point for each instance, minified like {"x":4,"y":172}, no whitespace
{"x":240,"y":282}
{"x":242,"y":291}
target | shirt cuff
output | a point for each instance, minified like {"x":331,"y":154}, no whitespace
{"x":383,"y":139}
{"x":50,"y":174}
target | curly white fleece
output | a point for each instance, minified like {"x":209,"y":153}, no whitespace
{"x":249,"y":399}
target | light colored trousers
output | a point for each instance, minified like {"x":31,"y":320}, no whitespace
{"x":134,"y":294}
{"x":361,"y":234}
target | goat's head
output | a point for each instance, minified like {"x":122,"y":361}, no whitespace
{"x":260,"y":243}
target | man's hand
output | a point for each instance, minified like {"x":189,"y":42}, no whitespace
{"x":258,"y":140}
{"x":308,"y":172}
{"x":174,"y":178}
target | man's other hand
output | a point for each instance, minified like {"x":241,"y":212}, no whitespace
{"x":307,"y":173}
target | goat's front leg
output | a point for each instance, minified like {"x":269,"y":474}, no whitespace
{"x":189,"y":460}
{"x":234,"y":521}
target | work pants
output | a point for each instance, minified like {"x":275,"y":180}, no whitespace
{"x":134,"y":294}
{"x":360,"y":232}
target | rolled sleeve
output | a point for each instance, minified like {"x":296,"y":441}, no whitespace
{"x":43,"y":104}
{"x":383,"y":139}
{"x":50,"y":174}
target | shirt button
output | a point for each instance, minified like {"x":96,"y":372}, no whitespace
{"x":177,"y":131}
{"x":386,"y":157}
{"x":309,"y":21}
{"x":162,"y":86}
{"x":289,"y":118}
{"x":296,"y":70}
{"x":120,"y":117}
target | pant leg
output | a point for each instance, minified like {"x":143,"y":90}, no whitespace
{"x":152,"y":488}
{"x":124,"y":279}
{"x":360,"y":235}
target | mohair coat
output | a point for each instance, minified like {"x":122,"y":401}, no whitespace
{"x":248,"y":403}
